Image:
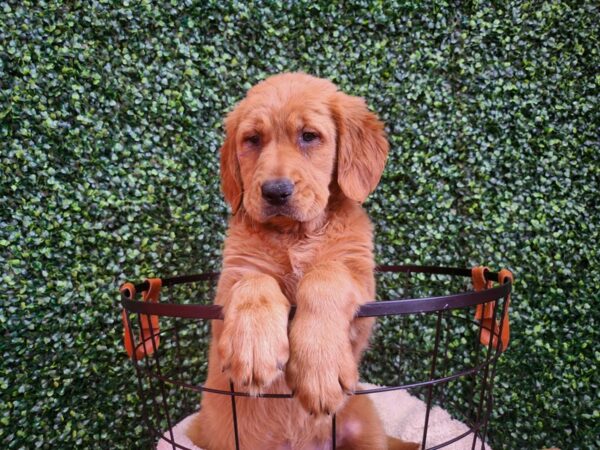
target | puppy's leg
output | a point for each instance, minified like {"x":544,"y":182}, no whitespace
{"x":360,"y":428}
{"x":322,"y":363}
{"x":397,"y":444}
{"x":253,"y":345}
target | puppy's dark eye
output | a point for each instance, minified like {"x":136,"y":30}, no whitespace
{"x":253,"y":140}
{"x":308,"y":137}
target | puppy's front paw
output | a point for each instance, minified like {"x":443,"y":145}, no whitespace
{"x":254,"y":344}
{"x":322,"y":369}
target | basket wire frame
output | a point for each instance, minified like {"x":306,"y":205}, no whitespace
{"x":160,"y":385}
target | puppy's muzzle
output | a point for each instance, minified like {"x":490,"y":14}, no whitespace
{"x":277,"y":192}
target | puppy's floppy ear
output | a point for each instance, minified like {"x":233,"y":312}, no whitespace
{"x":231,"y":181}
{"x":362,"y":146}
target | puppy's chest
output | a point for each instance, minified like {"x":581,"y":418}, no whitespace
{"x":299,"y":258}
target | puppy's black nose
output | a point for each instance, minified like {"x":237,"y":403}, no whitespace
{"x":277,"y":192}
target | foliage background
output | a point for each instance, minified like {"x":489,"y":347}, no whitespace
{"x":110,"y":121}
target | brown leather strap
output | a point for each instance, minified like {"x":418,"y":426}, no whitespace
{"x":490,"y":329}
{"x":503,"y":276}
{"x":149,"y":336}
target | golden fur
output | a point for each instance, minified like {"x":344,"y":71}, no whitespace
{"x":315,"y":252}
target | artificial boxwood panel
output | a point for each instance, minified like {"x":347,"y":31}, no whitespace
{"x":110,"y":121}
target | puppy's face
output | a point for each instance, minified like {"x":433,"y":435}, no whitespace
{"x":289,"y":139}
{"x":285,"y":146}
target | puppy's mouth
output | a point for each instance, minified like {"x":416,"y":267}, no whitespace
{"x":270,"y":212}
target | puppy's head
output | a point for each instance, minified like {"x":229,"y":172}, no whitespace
{"x":290,"y":140}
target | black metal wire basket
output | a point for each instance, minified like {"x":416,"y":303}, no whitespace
{"x":443,"y":348}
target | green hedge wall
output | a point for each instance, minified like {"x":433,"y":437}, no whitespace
{"x":110,"y":121}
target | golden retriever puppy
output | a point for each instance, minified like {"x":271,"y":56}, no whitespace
{"x":298,"y":160}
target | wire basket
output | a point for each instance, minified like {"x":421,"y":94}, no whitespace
{"x":442,"y":347}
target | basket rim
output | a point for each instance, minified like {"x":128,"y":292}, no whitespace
{"x":383,"y":307}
